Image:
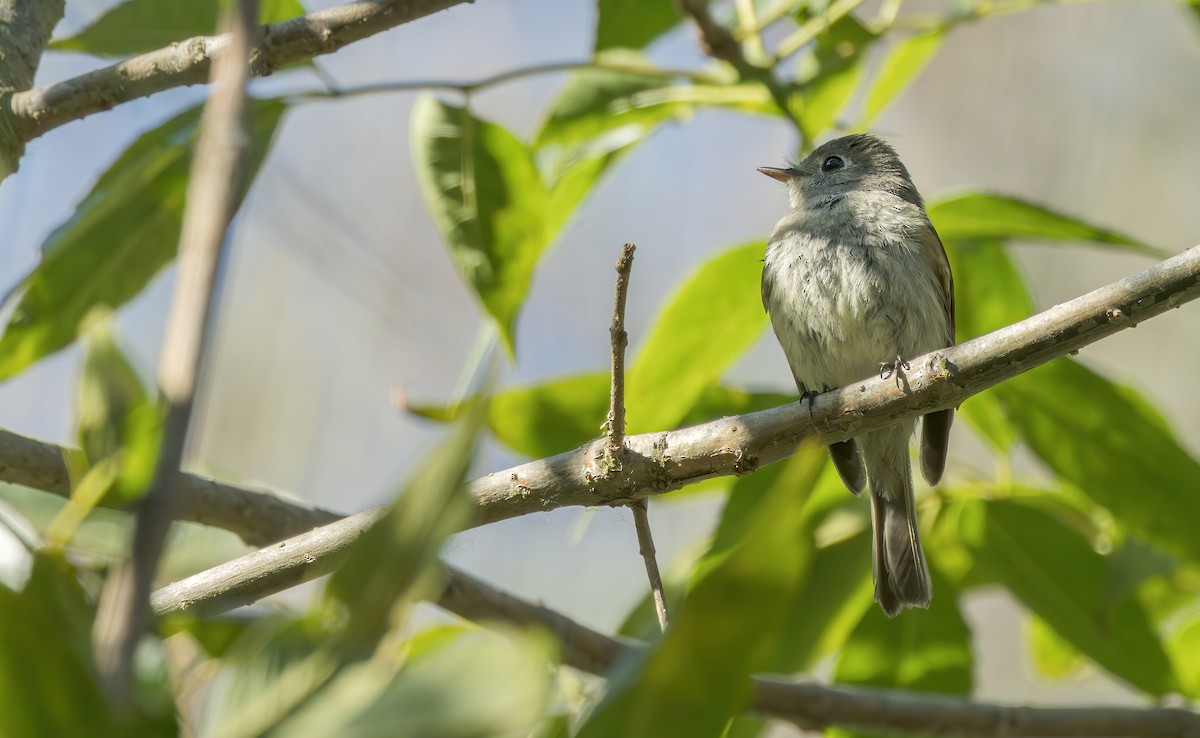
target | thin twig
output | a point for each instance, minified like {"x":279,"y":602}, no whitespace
{"x":815,"y":706}
{"x":641,"y":522}
{"x":619,"y":339}
{"x":616,"y":430}
{"x":216,"y":172}
{"x":813,"y":28}
{"x":511,"y":75}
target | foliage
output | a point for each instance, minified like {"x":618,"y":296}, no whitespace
{"x":1102,"y":553}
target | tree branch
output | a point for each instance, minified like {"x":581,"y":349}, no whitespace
{"x":814,"y":706}
{"x":37,"y":111}
{"x":258,"y":517}
{"x":216,"y":172}
{"x":25,"y":28}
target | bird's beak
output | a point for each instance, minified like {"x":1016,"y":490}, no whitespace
{"x":783,"y":175}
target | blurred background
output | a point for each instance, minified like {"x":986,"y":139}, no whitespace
{"x":338,"y":289}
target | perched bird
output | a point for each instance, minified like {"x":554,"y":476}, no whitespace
{"x":856,"y":280}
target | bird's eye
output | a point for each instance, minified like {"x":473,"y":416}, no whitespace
{"x":832,"y":164}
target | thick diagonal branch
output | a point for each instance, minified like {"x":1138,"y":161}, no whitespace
{"x":34,"y":112}
{"x":659,"y":462}
{"x":25,"y":28}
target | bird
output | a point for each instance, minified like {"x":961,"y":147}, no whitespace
{"x":856,"y":281}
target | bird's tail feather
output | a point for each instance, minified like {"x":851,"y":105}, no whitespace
{"x":901,"y":574}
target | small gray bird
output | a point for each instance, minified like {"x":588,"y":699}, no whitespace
{"x":856,"y":280}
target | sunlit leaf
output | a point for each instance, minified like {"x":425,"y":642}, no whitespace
{"x":614,"y":107}
{"x":1185,"y":655}
{"x":1057,"y":574}
{"x":680,"y":357}
{"x":488,"y":200}
{"x":906,"y":60}
{"x":633,"y":24}
{"x":121,"y":236}
{"x":696,"y":680}
{"x":1112,"y":445}
{"x":981,"y":215}
{"x":834,"y":69}
{"x":135,"y":26}
{"x":1053,"y":656}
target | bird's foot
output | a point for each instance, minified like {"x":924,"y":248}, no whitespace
{"x":888,"y":368}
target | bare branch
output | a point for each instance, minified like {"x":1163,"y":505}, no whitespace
{"x":187,"y":62}
{"x":814,"y":706}
{"x":216,"y":170}
{"x":25,"y":28}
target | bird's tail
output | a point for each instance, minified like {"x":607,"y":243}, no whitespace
{"x":901,"y":575}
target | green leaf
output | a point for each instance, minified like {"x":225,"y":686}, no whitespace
{"x":488,"y":200}
{"x":680,"y":358}
{"x":478,"y":683}
{"x":550,"y":418}
{"x":696,"y":680}
{"x":48,"y":680}
{"x":981,"y":215}
{"x":121,"y":236}
{"x":835,"y":67}
{"x":1057,"y":574}
{"x":633,"y":24}
{"x":903,"y":64}
{"x":387,"y":561}
{"x":135,"y":26}
{"x":1109,"y":442}
{"x":1185,"y":654}
{"x":613,"y":107}
{"x":922,"y":650}
{"x":990,"y":293}
{"x":1053,"y":656}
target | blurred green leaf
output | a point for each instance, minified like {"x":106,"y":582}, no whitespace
{"x":922,"y":650}
{"x":120,"y":237}
{"x":612,"y":108}
{"x":990,"y":293}
{"x":906,"y":60}
{"x":1185,"y":655}
{"x":1113,"y":445}
{"x":696,"y":680}
{"x":633,"y":24}
{"x":720,"y":402}
{"x":387,"y":561}
{"x":118,"y":419}
{"x":488,"y":200}
{"x":832,"y":71}
{"x":135,"y":26}
{"x":680,"y":359}
{"x":478,"y":683}
{"x":1131,"y":565}
{"x":1058,"y":575}
{"x":48,"y":680}
{"x":833,"y":599}
{"x":1053,"y":656}
{"x":981,"y":215}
